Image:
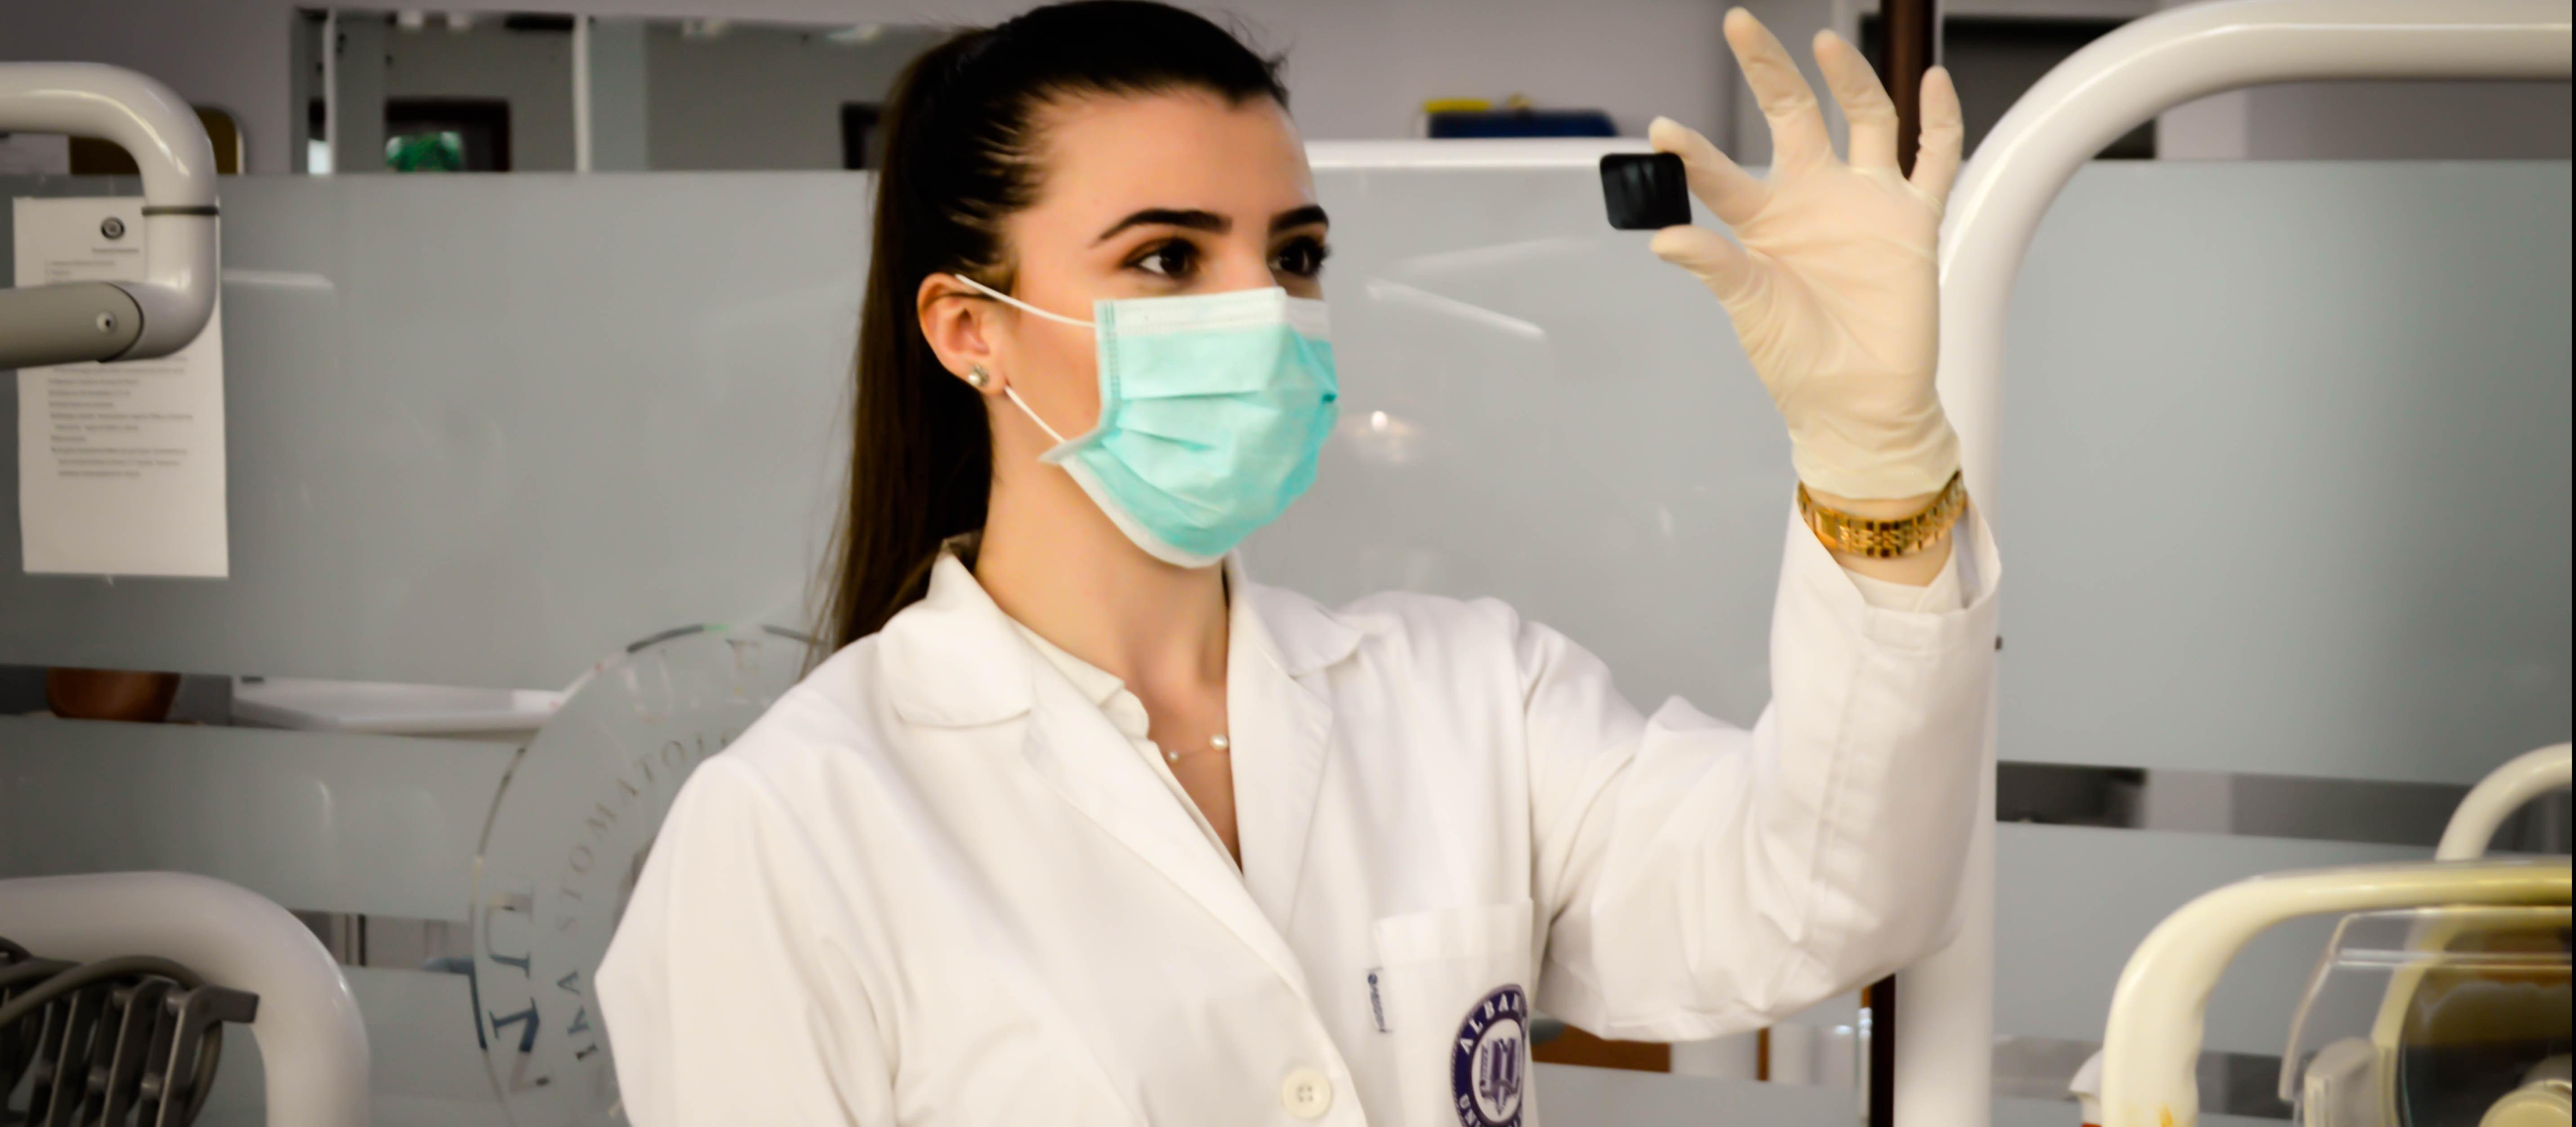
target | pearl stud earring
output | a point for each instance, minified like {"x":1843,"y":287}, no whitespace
{"x":977,"y":376}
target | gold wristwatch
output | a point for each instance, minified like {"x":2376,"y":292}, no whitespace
{"x":1885,"y":539}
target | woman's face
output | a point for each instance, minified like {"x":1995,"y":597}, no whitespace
{"x":1148,"y":196}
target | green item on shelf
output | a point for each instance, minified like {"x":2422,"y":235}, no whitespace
{"x":426,"y":152}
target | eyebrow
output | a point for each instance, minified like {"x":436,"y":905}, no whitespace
{"x":1209,"y":221}
{"x":1298,"y":217}
{"x":1192,"y":218}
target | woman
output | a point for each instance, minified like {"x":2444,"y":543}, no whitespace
{"x":1081,"y":826}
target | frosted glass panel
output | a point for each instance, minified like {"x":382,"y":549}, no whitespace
{"x":2071,"y":903}
{"x":2286,"y":465}
{"x":485,"y":429}
{"x":1535,"y":408}
{"x":319,"y":822}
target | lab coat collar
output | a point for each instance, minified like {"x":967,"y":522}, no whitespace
{"x":1281,"y":720}
{"x":954,"y":660}
{"x":1296,"y":633}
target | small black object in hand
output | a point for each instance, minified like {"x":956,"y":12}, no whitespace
{"x":1645,"y":191}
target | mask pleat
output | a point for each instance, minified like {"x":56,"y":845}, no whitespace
{"x":1214,"y":411}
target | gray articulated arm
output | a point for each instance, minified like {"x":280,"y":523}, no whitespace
{"x":75,"y":321}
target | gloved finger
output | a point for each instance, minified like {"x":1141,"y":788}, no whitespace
{"x":1727,"y":189}
{"x":1866,"y":109}
{"x":1797,"y":126}
{"x":1719,"y":264}
{"x":1936,"y":159}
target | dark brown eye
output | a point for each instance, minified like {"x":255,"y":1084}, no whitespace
{"x":1302,"y":257}
{"x":1174,"y":259}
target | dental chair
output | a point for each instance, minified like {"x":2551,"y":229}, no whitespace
{"x":2442,"y":1000}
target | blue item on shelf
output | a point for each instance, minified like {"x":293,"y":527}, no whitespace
{"x":1522,"y":123}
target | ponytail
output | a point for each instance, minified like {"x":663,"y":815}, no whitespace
{"x":960,"y":159}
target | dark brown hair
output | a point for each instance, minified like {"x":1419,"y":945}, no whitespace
{"x":961,"y":158}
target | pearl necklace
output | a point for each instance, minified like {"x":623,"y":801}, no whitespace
{"x":1215,"y":744}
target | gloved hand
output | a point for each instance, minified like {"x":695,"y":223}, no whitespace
{"x":1834,"y":291}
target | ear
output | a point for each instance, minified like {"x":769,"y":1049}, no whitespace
{"x":957,"y":321}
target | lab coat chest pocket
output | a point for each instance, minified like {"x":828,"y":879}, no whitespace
{"x":1452,"y":986}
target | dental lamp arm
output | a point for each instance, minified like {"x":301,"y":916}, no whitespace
{"x":2495,"y":798}
{"x":71,"y":322}
{"x":2154,"y":1034}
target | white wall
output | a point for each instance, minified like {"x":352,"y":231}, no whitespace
{"x":229,"y":54}
{"x":2299,"y":121}
{"x":2371,"y":121}
{"x":1357,"y":68}
{"x":759,"y":96}
{"x":532,"y":72}
{"x":1361,"y":68}
{"x":762,"y":98}
{"x":1796,"y":22}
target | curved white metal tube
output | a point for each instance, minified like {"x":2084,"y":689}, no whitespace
{"x":1946,"y":1027}
{"x":177,"y":293}
{"x":311,"y":1041}
{"x":2153,"y":1039}
{"x":2496,"y":797}
{"x":2151,"y":65}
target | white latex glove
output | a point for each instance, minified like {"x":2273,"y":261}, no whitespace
{"x":1834,"y":290}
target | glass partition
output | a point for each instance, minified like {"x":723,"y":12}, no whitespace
{"x":486,"y":429}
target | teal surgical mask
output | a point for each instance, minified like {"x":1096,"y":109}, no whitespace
{"x":1213,"y":410}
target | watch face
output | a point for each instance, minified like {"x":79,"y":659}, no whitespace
{"x":568,"y":836}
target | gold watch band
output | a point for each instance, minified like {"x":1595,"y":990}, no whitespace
{"x":1885,"y":539}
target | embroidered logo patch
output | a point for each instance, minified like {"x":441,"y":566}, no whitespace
{"x":1486,"y":1062}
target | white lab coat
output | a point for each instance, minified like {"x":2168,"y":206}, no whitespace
{"x":935,"y":887}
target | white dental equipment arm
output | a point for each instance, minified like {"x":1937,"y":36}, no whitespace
{"x":311,"y":1042}
{"x":2153,"y":64}
{"x":2496,"y":797}
{"x":2153,"y":1038}
{"x":1945,"y":1029}
{"x":69,"y":322}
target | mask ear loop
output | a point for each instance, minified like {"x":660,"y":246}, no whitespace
{"x":1033,"y":416}
{"x":999,"y":296}
{"x":1007,"y":390}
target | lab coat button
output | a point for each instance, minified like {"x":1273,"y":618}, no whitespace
{"x":1307,"y":1094}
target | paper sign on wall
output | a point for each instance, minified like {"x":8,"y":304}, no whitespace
{"x":120,"y":466}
